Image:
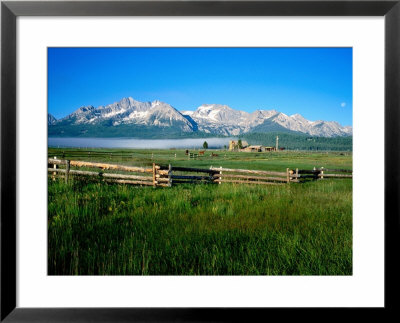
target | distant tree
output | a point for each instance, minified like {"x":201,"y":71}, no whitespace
{"x":240,"y":145}
{"x":205,"y":145}
{"x":225,"y":147}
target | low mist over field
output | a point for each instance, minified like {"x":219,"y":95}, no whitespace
{"x":137,"y":143}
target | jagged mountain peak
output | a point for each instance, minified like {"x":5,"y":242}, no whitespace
{"x":84,"y":109}
{"x":218,"y":114}
{"x":297,"y":116}
{"x":158,"y":102}
{"x":206,"y":109}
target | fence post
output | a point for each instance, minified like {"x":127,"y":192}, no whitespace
{"x":169,"y":175}
{"x":322,"y":173}
{"x":287,"y":175}
{"x":154,"y":175}
{"x":220,"y":172}
{"x":55,"y":167}
{"x":290,"y":175}
{"x":297,"y":174}
{"x":68,"y":165}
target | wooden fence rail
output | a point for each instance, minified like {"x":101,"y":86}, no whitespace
{"x":335,"y":170}
{"x":335,"y":175}
{"x":138,"y":179}
{"x":194,"y":170}
{"x":248,"y":171}
{"x":241,"y":176}
{"x":166,"y":176}
{"x":321,"y":173}
{"x":103,"y":175}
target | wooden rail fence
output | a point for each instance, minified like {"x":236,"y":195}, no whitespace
{"x":229,"y":175}
{"x":301,"y":175}
{"x":166,"y":176}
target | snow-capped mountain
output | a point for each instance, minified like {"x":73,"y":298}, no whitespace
{"x":129,"y":111}
{"x":298,"y":123}
{"x":208,"y":118}
{"x":221,"y":119}
{"x":218,"y":119}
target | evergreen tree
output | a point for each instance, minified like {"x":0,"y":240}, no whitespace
{"x":240,"y":145}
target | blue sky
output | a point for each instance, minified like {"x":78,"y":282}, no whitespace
{"x":315,"y":82}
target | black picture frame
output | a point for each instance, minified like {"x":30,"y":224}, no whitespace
{"x":10,"y":10}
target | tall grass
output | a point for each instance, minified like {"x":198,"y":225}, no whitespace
{"x":105,"y":229}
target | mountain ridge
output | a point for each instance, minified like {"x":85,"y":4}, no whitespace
{"x":215,"y":119}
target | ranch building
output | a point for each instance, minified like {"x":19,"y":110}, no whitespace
{"x":253,"y":148}
{"x":268,"y":149}
{"x":234,"y":144}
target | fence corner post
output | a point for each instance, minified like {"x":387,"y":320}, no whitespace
{"x":287,"y":175}
{"x":169,"y":175}
{"x":68,"y":166}
{"x":154,"y":175}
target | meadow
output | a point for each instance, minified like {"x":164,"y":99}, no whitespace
{"x":229,"y":229}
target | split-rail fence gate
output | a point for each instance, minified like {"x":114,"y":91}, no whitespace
{"x":166,"y":176}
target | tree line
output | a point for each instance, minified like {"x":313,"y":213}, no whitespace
{"x":300,"y":141}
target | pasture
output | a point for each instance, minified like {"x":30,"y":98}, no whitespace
{"x":293,"y":229}
{"x":274,"y":161}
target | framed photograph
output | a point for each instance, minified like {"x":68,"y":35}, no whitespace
{"x":178,"y":160}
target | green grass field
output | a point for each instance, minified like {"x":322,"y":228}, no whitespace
{"x":229,"y":229}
